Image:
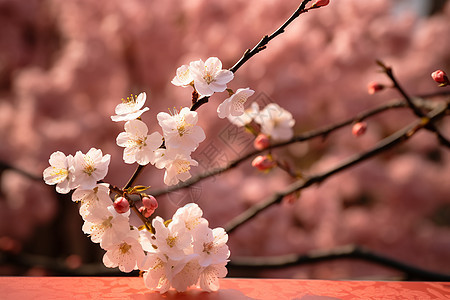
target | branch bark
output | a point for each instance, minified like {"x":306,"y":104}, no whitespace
{"x":385,"y":144}
{"x":321,"y":132}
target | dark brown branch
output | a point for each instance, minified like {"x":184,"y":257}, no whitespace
{"x":383,"y":145}
{"x":322,"y":132}
{"x":5,"y":166}
{"x":258,"y":48}
{"x":59,"y":266}
{"x":432,"y":127}
{"x":350,"y":251}
{"x":267,"y":38}
{"x":134,"y":177}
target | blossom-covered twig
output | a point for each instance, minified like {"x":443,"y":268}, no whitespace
{"x":385,"y":144}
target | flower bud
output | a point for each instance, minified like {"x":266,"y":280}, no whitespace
{"x":146,"y":212}
{"x":121,"y":205}
{"x":263,"y":163}
{"x":150,"y":202}
{"x":359,"y":128}
{"x":374,"y":87}
{"x":440,"y":77}
{"x":261,"y":142}
{"x":320,"y":3}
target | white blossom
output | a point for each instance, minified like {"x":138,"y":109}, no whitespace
{"x":276,"y":122}
{"x":106,"y":226}
{"x":209,"y":77}
{"x":173,"y":240}
{"x":187,"y":276}
{"x":90,"y":167}
{"x":160,"y":270}
{"x":247,"y":117}
{"x":209,"y":277}
{"x":139,"y":147}
{"x":130,"y":108}
{"x":176,"y":163}
{"x":191,"y":216}
{"x":126,"y":254}
{"x":180,"y":129}
{"x":183,"y":77}
{"x":156,"y":271}
{"x":92,"y":198}
{"x":184,"y":252}
{"x":211,"y":246}
{"x":59,"y":172}
{"x":234,"y":105}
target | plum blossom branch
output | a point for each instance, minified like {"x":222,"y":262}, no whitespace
{"x":321,"y":132}
{"x":385,"y":144}
{"x":249,"y":53}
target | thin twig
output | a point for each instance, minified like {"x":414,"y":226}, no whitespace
{"x":257,"y":48}
{"x":385,"y":144}
{"x":134,"y":177}
{"x":388,"y":70}
{"x":267,"y":38}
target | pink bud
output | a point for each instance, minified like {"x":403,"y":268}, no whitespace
{"x":359,"y":128}
{"x":146,"y":212}
{"x":320,"y":3}
{"x":121,"y":205}
{"x":150,"y":202}
{"x":440,"y":77}
{"x":263,"y":163}
{"x":261,"y":142}
{"x":374,"y":87}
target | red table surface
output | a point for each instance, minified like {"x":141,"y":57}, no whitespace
{"x":22,"y":288}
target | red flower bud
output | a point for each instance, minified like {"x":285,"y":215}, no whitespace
{"x":150,"y":202}
{"x":146,"y":212}
{"x":121,"y":205}
{"x":374,"y":87}
{"x":320,"y":3}
{"x":263,"y":163}
{"x":261,"y":142}
{"x":359,"y":128}
{"x":440,"y":77}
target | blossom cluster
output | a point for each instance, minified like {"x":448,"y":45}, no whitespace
{"x":183,"y":251}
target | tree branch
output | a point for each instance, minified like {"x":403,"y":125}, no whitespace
{"x":342,"y":252}
{"x":388,"y":70}
{"x":383,"y":145}
{"x":257,"y":48}
{"x":322,"y":132}
{"x":267,"y":38}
